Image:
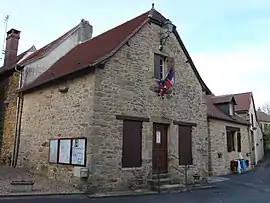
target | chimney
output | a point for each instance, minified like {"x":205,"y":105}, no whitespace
{"x":86,"y":31}
{"x":12,"y":44}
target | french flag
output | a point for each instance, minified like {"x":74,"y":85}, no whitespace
{"x":169,"y":80}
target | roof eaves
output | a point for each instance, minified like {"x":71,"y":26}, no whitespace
{"x":227,"y":120}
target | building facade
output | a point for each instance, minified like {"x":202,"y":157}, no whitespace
{"x":228,"y":133}
{"x":130,"y":133}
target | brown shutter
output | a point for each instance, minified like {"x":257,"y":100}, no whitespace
{"x":239,"y":141}
{"x":132,"y":144}
{"x":157,"y":70}
{"x":185,"y":145}
{"x":229,"y":141}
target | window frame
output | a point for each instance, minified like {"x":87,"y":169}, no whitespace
{"x":162,"y":70}
{"x":71,"y":144}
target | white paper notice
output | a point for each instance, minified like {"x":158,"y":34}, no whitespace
{"x":64,"y":151}
{"x":78,"y":152}
{"x":158,"y":137}
{"x":53,"y":151}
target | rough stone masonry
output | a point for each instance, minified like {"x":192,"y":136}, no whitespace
{"x":91,"y":104}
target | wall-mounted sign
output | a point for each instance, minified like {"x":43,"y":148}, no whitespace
{"x":78,"y":151}
{"x":158,"y":137}
{"x":70,"y":151}
{"x":64,"y":151}
{"x":53,"y":155}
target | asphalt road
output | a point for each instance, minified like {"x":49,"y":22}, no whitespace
{"x":247,"y":188}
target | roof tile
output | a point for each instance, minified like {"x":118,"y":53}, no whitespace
{"x":243,"y":101}
{"x":214,"y":112}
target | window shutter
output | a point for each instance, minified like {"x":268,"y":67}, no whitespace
{"x":239,"y":141}
{"x":185,"y":145}
{"x":132,"y":144}
{"x":157,"y":70}
{"x":229,"y":141}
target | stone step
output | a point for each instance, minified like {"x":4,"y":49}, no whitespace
{"x":169,"y":188}
{"x":161,"y":181}
{"x":160,"y":176}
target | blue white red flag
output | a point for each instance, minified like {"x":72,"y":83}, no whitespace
{"x":169,"y":80}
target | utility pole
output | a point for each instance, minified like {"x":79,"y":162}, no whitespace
{"x":5,"y":32}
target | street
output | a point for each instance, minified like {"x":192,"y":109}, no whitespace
{"x":251,"y":187}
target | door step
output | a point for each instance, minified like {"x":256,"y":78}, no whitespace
{"x":164,"y":183}
{"x":160,"y":176}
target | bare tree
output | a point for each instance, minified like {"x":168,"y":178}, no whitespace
{"x":266,"y":108}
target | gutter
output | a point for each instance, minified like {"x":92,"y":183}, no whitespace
{"x":16,"y":143}
{"x":226,"y":120}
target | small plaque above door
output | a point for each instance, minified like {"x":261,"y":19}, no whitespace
{"x":158,"y":137}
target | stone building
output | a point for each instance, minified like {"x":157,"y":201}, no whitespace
{"x":246,"y":108}
{"x":228,"y":134}
{"x":9,"y":84}
{"x":264,"y":120}
{"x":22,"y":69}
{"x":104,"y":93}
{"x":264,"y":123}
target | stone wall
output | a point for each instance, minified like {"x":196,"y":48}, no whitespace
{"x":124,"y":87}
{"x":218,"y":140}
{"x":49,"y":114}
{"x":8,"y":118}
{"x":90,"y":107}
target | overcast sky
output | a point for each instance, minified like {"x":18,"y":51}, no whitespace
{"x":228,"y":40}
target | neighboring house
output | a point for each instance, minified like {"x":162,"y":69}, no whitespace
{"x":246,"y":108}
{"x":264,"y":120}
{"x":9,"y":84}
{"x":20,"y":70}
{"x":228,"y":134}
{"x":39,"y":62}
{"x":96,"y":113}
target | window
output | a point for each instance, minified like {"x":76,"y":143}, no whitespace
{"x":233,"y":139}
{"x":162,"y":65}
{"x":68,"y":151}
{"x":238,"y":141}
{"x":185,"y":145}
{"x":132,"y":144}
{"x":230,"y":141}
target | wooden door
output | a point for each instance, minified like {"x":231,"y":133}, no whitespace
{"x":160,"y":148}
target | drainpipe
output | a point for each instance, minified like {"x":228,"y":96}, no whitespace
{"x":250,"y":147}
{"x":17,"y":124}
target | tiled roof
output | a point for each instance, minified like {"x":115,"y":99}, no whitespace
{"x":214,"y":112}
{"x":102,"y":47}
{"x":19,"y":57}
{"x":263,"y":116}
{"x":222,"y":99}
{"x":243,"y":101}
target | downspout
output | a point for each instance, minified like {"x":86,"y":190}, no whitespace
{"x":250,"y":146}
{"x":18,"y":123}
